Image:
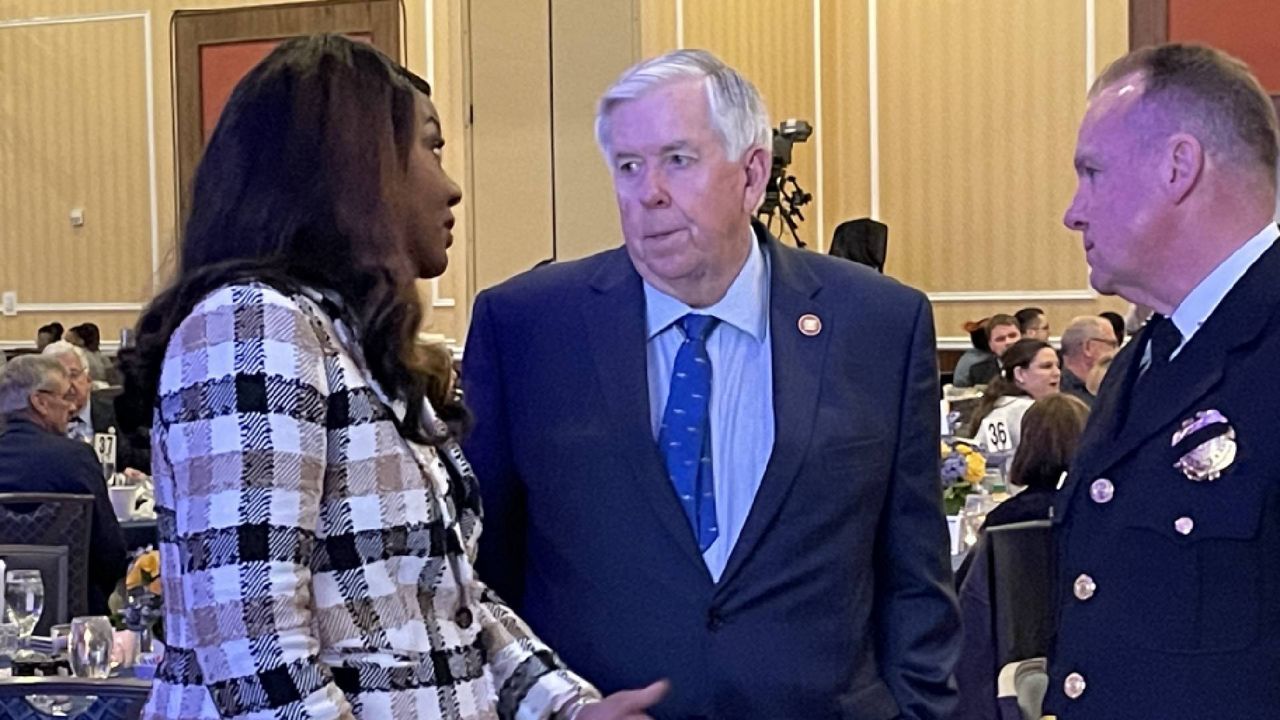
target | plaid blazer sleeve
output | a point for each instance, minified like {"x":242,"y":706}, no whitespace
{"x":243,"y":404}
{"x":532,"y":682}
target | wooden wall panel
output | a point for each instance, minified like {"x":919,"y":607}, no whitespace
{"x":657,"y":21}
{"x":979,"y":106}
{"x":592,"y":43}
{"x":772,"y":45}
{"x":845,"y":123}
{"x":75,"y":137}
{"x":124,"y":269}
{"x":511,"y":207}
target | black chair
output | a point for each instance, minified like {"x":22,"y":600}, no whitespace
{"x":53,"y":520}
{"x":1023,"y":567}
{"x":90,"y":699}
{"x":863,"y":241}
{"x":51,"y":561}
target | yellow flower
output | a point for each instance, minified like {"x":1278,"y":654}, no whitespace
{"x":975,"y":467}
{"x":946,"y":450}
{"x":145,"y":570}
{"x":964,"y":449}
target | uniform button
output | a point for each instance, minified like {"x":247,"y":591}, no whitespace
{"x":1101,"y":490}
{"x":714,"y":619}
{"x":1184,"y":525}
{"x":1073,"y":686}
{"x":1084,"y":587}
{"x":463,"y":618}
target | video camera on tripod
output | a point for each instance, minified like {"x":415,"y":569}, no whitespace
{"x":783,"y":195}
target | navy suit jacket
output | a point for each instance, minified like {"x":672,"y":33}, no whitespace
{"x":35,"y":460}
{"x":836,"y":601}
{"x":1184,"y":621}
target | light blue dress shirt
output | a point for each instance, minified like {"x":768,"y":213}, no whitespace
{"x":1204,"y":298}
{"x":741,"y":390}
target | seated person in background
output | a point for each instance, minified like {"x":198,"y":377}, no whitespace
{"x":36,"y":456}
{"x":89,"y":338}
{"x":92,"y":413}
{"x":977,"y":361}
{"x":1086,"y":339}
{"x":1117,"y":325}
{"x":1098,"y":373}
{"x":1051,"y":430}
{"x":80,"y":424}
{"x":1030,"y":372}
{"x":443,"y":389}
{"x":133,"y":417}
{"x":50,"y":333}
{"x":1002,"y":331}
{"x":1033,"y":323}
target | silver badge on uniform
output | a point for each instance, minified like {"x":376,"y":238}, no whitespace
{"x":1210,"y":458}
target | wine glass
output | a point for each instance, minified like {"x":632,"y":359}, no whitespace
{"x":24,"y":599}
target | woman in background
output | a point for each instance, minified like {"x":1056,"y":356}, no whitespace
{"x":317,"y":521}
{"x":1051,"y":431}
{"x":1029,"y":372}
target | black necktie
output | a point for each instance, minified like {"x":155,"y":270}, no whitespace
{"x":1165,"y":338}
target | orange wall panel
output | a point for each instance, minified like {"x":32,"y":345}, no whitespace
{"x":1244,"y":28}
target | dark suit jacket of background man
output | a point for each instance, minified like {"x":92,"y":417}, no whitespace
{"x":1180,"y":626}
{"x":836,"y":601}
{"x":33,"y":459}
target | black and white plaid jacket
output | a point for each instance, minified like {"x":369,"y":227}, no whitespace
{"x":316,"y":564}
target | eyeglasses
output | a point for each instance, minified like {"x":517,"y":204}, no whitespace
{"x":1113,"y":344}
{"x":67,"y":396}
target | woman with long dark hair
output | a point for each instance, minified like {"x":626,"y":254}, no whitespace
{"x":317,"y":522}
{"x":1028,"y":371}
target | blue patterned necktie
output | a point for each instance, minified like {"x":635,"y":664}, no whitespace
{"x":685,"y":436}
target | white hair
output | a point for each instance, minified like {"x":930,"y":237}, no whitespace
{"x":23,"y":376}
{"x":62,"y":347}
{"x":737,"y":112}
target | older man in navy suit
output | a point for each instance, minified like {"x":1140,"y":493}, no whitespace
{"x":1169,"y":549}
{"x":710,"y":457}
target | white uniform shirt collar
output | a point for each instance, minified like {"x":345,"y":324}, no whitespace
{"x":1200,"y":303}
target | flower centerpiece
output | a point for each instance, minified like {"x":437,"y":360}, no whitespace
{"x":143,"y":611}
{"x":963,"y":467}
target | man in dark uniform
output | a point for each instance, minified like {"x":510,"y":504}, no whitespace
{"x":1169,"y":549}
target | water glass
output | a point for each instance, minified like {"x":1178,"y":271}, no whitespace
{"x":90,"y":651}
{"x":24,"y":599}
{"x":8,"y":648}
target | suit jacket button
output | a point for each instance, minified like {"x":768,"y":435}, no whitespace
{"x":1084,"y":587}
{"x":714,"y":620}
{"x":1073,"y":685}
{"x":1184,"y":525}
{"x":1101,"y":491}
{"x":463,"y":618}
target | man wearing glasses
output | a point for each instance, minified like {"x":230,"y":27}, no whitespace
{"x":1084,"y":342}
{"x":36,"y":400}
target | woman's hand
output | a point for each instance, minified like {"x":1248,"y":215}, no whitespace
{"x":625,"y":704}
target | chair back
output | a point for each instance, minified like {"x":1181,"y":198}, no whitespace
{"x":1023,"y":569}
{"x":119,"y":698}
{"x":53,"y":520}
{"x":1021,"y":688}
{"x":864,"y":241}
{"x":51,"y":561}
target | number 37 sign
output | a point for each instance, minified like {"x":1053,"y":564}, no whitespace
{"x":105,"y":445}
